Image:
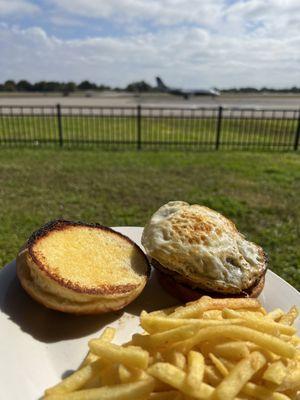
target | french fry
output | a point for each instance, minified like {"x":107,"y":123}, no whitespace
{"x":163,"y":312}
{"x":107,"y":335}
{"x":292,"y":379}
{"x":251,"y":314}
{"x":295,"y":340}
{"x":262,"y":310}
{"x":169,"y":395}
{"x":232,"y":384}
{"x":130,"y":356}
{"x":89,"y":358}
{"x":275,"y":314}
{"x":219,"y":365}
{"x":212,"y":314}
{"x":176,"y":358}
{"x":164,"y":338}
{"x":131,"y":374}
{"x":110,"y":375}
{"x":195,"y":369}
{"x":260,"y":324}
{"x":211,"y":375}
{"x":228,"y":364}
{"x":198,"y":307}
{"x":232,"y":350}
{"x":176,"y":378}
{"x":127,"y":391}
{"x":125,"y":374}
{"x":275,"y":373}
{"x":156,"y":324}
{"x":240,"y":333}
{"x":290,"y":316}
{"x":269,"y":354}
{"x":208,"y":346}
{"x":293,"y":394}
{"x":262,"y":393}
{"x":213,"y":349}
{"x":77,"y":380}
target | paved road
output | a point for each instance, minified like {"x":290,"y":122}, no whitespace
{"x":111,"y":99}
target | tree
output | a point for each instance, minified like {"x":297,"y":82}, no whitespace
{"x":68,"y":88}
{"x":103,"y":87}
{"x":9,"y":86}
{"x":53,"y":86}
{"x":86,"y":85}
{"x":24,"y":86}
{"x":40,"y":86}
{"x":140,"y":86}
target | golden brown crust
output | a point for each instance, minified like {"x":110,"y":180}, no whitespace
{"x":46,"y":284}
{"x":186,"y":294}
{"x":59,"y":225}
{"x":103,"y":305}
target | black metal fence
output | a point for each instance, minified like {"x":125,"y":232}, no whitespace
{"x":150,"y":128}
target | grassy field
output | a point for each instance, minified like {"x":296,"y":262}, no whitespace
{"x":260,"y":192}
{"x":119,"y":131}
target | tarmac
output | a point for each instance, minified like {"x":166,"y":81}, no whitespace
{"x":115,"y":99}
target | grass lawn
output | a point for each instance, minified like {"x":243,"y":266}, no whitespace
{"x":179,"y":132}
{"x":260,"y":192}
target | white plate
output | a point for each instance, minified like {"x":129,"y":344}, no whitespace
{"x":39,"y":346}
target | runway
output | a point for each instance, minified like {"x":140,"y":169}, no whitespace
{"x":115,"y":99}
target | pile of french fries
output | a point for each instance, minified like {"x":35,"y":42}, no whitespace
{"x":213,"y":349}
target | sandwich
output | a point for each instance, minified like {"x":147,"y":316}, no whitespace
{"x":197,"y":251}
{"x":82,"y":268}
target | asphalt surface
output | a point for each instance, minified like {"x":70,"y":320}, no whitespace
{"x":112,"y":99}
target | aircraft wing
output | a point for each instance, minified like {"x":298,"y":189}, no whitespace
{"x":203,"y":92}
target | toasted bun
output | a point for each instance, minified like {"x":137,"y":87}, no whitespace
{"x":203,"y":248}
{"x":82,"y":268}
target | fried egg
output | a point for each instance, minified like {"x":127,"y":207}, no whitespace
{"x":204,"y":247}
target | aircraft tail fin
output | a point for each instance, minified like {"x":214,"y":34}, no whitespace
{"x":160,"y":83}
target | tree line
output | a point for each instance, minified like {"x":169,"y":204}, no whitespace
{"x":68,"y":87}
{"x":140,"y":86}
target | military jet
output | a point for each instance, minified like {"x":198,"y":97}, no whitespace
{"x":186,"y":93}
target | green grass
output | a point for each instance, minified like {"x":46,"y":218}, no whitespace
{"x":172,"y":131}
{"x":260,"y":192}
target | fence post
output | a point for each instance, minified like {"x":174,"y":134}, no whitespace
{"x":60,"y":131}
{"x":139,"y":127}
{"x":219,"y":124}
{"x":297,"y":134}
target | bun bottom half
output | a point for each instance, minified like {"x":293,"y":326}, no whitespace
{"x":186,"y":294}
{"x":79,"y":305}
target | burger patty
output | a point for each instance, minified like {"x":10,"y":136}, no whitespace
{"x":185,"y":290}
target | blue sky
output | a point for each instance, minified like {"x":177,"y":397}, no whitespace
{"x":190,"y":43}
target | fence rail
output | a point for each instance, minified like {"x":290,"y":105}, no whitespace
{"x":150,"y":127}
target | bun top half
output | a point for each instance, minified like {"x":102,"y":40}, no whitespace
{"x":204,"y":247}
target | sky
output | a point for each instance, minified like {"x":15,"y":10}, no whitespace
{"x":189,"y":43}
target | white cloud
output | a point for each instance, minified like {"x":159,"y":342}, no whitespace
{"x":255,"y":43}
{"x":271,"y":17}
{"x":183,"y":56}
{"x":160,"y":12}
{"x":17,"y":7}
{"x":65,"y":21}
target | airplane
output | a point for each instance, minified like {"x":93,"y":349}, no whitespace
{"x":185,"y":92}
